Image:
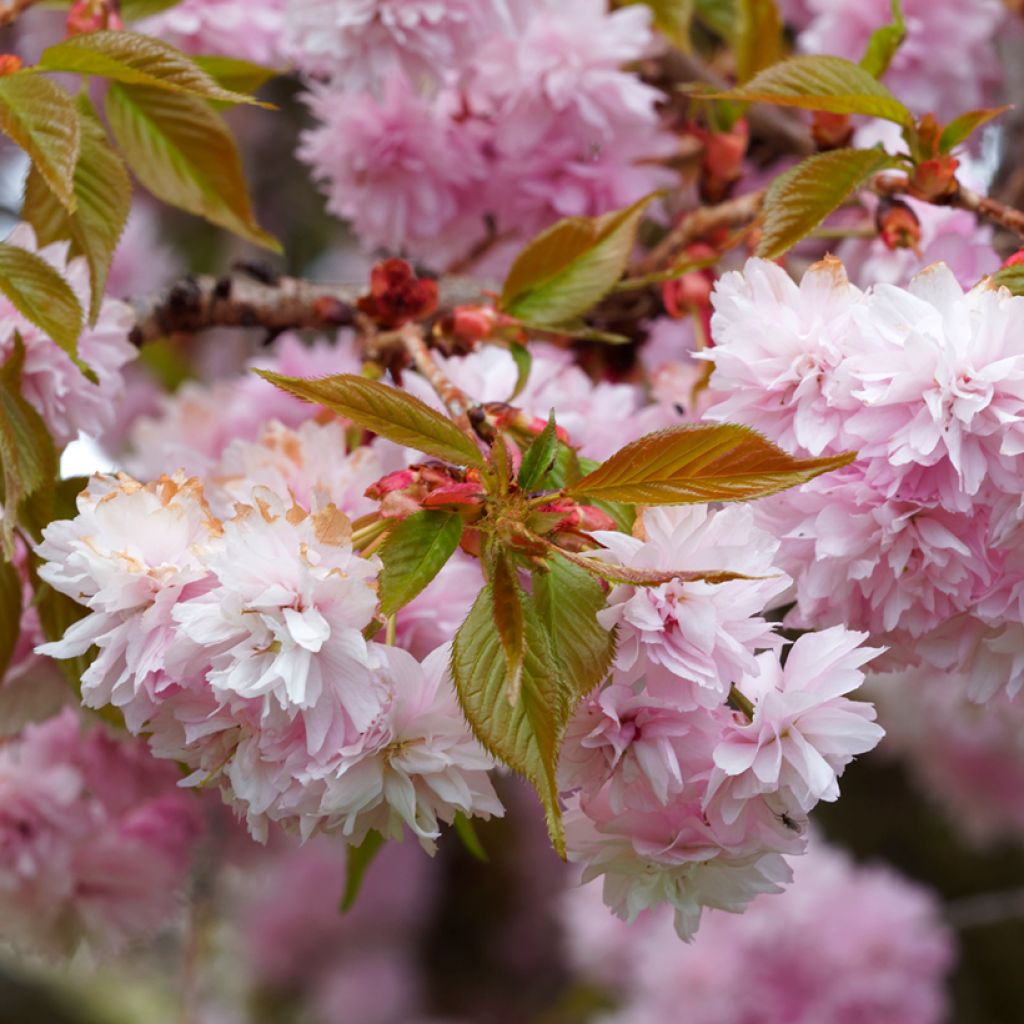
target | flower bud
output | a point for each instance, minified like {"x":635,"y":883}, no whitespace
{"x":92,"y":16}
{"x":723,"y":161}
{"x":1016,"y":260}
{"x":934,"y":180}
{"x":831,"y":131}
{"x":9,"y":63}
{"x":397,"y":295}
{"x":898,"y":226}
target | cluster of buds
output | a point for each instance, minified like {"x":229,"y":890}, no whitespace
{"x":92,"y":16}
{"x":897,"y":224}
{"x":934,"y":175}
{"x":397,"y":295}
{"x":428,"y":485}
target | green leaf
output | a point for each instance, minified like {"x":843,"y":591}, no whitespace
{"x":386,"y":411}
{"x":540,"y":456}
{"x":470,"y":840}
{"x":800,"y":199}
{"x":103,"y":194}
{"x":757,"y":42}
{"x":718,"y":15}
{"x":672,"y":19}
{"x":238,"y":76}
{"x":690,"y":463}
{"x":39,"y":116}
{"x":524,"y":363}
{"x":571,"y":266}
{"x":28,"y":458}
{"x":884,"y":42}
{"x":182,"y":151}
{"x":569,"y":468}
{"x":1011,"y":277}
{"x":136,"y":59}
{"x":508,"y":620}
{"x":135,"y":10}
{"x":961,"y":128}
{"x":10,"y":613}
{"x":825,"y":83}
{"x":41,"y":295}
{"x":358,"y":860}
{"x":568,"y":600}
{"x":528,"y":735}
{"x":414,"y":552}
{"x":613,"y":573}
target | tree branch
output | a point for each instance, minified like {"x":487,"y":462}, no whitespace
{"x":14,"y":9}
{"x":456,"y":401}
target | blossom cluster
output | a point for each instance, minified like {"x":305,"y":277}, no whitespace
{"x":916,"y":541}
{"x":844,"y":944}
{"x":237,"y":645}
{"x":95,"y":838}
{"x":693,"y":770}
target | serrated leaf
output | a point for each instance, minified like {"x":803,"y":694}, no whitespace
{"x":884,"y":42}
{"x":614,"y":573}
{"x":508,"y":620}
{"x":524,"y":363}
{"x":757,"y":42}
{"x":572,"y":265}
{"x":135,"y":10}
{"x":182,"y":151}
{"x":42,"y":296}
{"x":358,"y":860}
{"x":527,"y":736}
{"x":414,"y":552}
{"x":568,"y":600}
{"x":717,"y":15}
{"x":386,"y":411}
{"x":103,"y":195}
{"x":672,"y":19}
{"x":40,"y":117}
{"x":10,"y":613}
{"x":800,"y":199}
{"x":1011,"y":277}
{"x":238,"y":76}
{"x":540,"y":456}
{"x":699,"y":463}
{"x":832,"y":84}
{"x":28,"y":458}
{"x":961,"y":128}
{"x":136,"y":59}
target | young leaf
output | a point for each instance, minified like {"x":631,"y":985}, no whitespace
{"x":508,"y":620}
{"x":527,"y":736}
{"x":540,"y":456}
{"x":883,"y":43}
{"x":386,"y":411}
{"x":414,"y":553}
{"x":569,"y":468}
{"x":359,"y":859}
{"x":10,"y":613}
{"x":757,"y":41}
{"x":524,"y":363}
{"x":686,"y":464}
{"x":719,"y":16}
{"x":41,"y":295}
{"x":470,"y":840}
{"x":28,"y":458}
{"x":182,"y":151}
{"x":1011,"y":277}
{"x":572,"y":265}
{"x":103,"y":195}
{"x":238,"y":76}
{"x":613,"y":573}
{"x":568,"y":600}
{"x":135,"y":10}
{"x":136,"y":59}
{"x":39,"y":116}
{"x":831,"y":84}
{"x":672,"y":19}
{"x":961,"y":128}
{"x":800,"y":199}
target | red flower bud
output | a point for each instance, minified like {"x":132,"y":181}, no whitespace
{"x":831,"y":131}
{"x":1016,"y":260}
{"x":9,"y":63}
{"x":92,"y":16}
{"x":934,"y":180}
{"x":723,"y":161}
{"x":898,"y":226}
{"x":397,"y":295}
{"x":683,"y":295}
{"x":470,"y":324}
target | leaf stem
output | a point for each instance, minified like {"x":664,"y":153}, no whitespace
{"x":738,"y":702}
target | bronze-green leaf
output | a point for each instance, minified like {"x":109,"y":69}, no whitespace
{"x":687,"y":464}
{"x":758,"y":38}
{"x":961,"y":128}
{"x":800,"y":199}
{"x":508,"y":620}
{"x":1011,"y":277}
{"x":571,"y":266}
{"x":40,"y":117}
{"x":826,"y":83}
{"x":183,"y":152}
{"x":386,"y":411}
{"x":539,"y":458}
{"x":10,"y":613}
{"x":884,"y":42}
{"x":414,"y":552}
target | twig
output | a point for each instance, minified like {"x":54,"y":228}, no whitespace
{"x":14,"y":9}
{"x":456,"y":401}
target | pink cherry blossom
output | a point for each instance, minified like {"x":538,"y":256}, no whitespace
{"x":250,"y":30}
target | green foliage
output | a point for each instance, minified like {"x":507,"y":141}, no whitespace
{"x":414,"y":552}
{"x":41,"y":295}
{"x":10,"y":613}
{"x":39,"y":116}
{"x":136,"y":10}
{"x":509,"y":621}
{"x":884,"y":42}
{"x":757,"y":39}
{"x":182,"y":151}
{"x":1011,"y":277}
{"x":135,"y":59}
{"x":102,"y":192}
{"x":832,"y":84}
{"x":572,"y":265}
{"x":386,"y":411}
{"x":539,"y":458}
{"x":800,"y":199}
{"x":672,"y":19}
{"x":961,"y":128}
{"x":238,"y":76}
{"x":524,"y":363}
{"x":646,"y":577}
{"x":470,"y":840}
{"x":359,"y":859}
{"x":28,"y":458}
{"x":687,"y":464}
